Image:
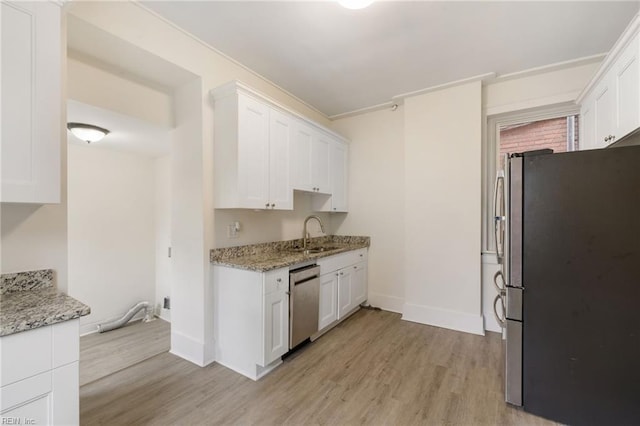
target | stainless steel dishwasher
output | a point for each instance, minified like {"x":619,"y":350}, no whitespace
{"x":304,"y":297}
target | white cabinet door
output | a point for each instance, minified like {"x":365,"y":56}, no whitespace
{"x":338,"y":176}
{"x":604,"y":114}
{"x":253,"y":153}
{"x":587,"y":125}
{"x":31,"y":99}
{"x":626,"y":80}
{"x":280,"y":136}
{"x":301,"y":157}
{"x":310,"y":159}
{"x":328,"y":310}
{"x":275,"y":315}
{"x":320,"y":163}
{"x":359,"y":283}
{"x":345,"y":292}
{"x":66,"y":395}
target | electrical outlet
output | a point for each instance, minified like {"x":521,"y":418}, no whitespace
{"x":232,"y":230}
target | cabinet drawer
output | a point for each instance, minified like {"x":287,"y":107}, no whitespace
{"x":24,"y":390}
{"x":25,"y":354}
{"x":276,"y":280}
{"x":342,"y":260}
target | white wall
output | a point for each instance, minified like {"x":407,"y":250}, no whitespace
{"x":111,"y":231}
{"x":95,"y":86}
{"x":162,"y":207}
{"x":442,"y":208}
{"x":190,"y":303}
{"x":532,"y":90}
{"x":271,"y":225}
{"x":376,"y":199}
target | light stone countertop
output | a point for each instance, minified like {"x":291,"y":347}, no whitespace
{"x":279,"y":254}
{"x":29,"y":300}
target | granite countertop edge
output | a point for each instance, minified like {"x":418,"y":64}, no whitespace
{"x":28,"y":310}
{"x":269,"y":256}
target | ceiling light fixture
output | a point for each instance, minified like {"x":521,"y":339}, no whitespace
{"x":355,"y":4}
{"x":87,"y":132}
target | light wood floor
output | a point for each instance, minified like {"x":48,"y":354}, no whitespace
{"x":102,"y":354}
{"x":373,"y":369}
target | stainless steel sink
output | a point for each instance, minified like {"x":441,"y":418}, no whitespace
{"x":314,"y":250}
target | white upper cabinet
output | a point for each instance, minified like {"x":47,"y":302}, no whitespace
{"x":251,"y":154}
{"x":31,"y":102}
{"x":610,"y":104}
{"x":280,"y":137}
{"x":626,"y":78}
{"x":262,"y":152}
{"x":338,"y":165}
{"x":310,"y":155}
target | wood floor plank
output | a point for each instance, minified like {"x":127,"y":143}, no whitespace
{"x":102,"y":354}
{"x":372,"y":369}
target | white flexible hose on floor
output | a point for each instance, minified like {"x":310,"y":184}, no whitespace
{"x":112,"y":325}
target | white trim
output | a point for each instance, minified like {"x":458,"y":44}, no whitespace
{"x":627,"y":36}
{"x":453,"y":320}
{"x":482,"y":77}
{"x":253,"y":375}
{"x":192,"y":350}
{"x":562,"y":98}
{"x":572,"y":63}
{"x":364,"y":110}
{"x":228,"y":58}
{"x":385,"y":302}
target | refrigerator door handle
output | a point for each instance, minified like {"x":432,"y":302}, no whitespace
{"x":498,"y":216}
{"x":501,"y":288}
{"x":501,"y":318}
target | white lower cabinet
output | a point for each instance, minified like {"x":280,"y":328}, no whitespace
{"x":343,"y":285}
{"x":251,"y":319}
{"x":328,"y":308}
{"x":276,"y":325}
{"x":39,"y":375}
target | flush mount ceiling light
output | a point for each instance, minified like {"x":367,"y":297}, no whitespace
{"x":355,"y":4}
{"x":87,"y":132}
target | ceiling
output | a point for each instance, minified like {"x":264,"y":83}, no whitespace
{"x":128,"y":134}
{"x":341,"y":60}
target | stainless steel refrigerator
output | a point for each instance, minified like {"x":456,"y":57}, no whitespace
{"x":568,"y":240}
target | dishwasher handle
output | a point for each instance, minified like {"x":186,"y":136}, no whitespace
{"x":304,"y":274}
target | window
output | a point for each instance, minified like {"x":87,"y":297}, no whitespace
{"x":553,"y":127}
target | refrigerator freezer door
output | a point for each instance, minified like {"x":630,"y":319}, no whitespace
{"x":513,"y":384}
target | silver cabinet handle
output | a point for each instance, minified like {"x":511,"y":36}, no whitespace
{"x":287,"y":292}
{"x":267,"y":205}
{"x":273,"y":205}
{"x":499,"y":317}
{"x":279,"y":280}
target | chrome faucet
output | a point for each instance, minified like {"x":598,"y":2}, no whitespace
{"x":305,"y":235}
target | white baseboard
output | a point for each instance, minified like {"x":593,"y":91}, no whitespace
{"x":191,"y":349}
{"x":386,"y":303}
{"x":453,"y":320}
